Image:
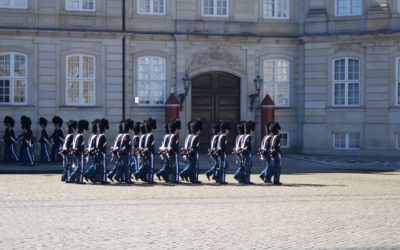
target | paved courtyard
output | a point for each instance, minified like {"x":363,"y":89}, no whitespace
{"x":323,"y":210}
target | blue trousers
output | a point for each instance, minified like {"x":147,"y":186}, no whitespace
{"x":165,"y":170}
{"x":10,"y":153}
{"x":45,"y":152}
{"x":101,"y":168}
{"x":276,"y":170}
{"x":55,"y":149}
{"x":77,"y":172}
{"x":28,"y":157}
{"x":90,"y":172}
{"x":134,"y":163}
{"x":174,"y":167}
{"x":123,"y":171}
{"x":267,"y":172}
{"x":213,"y":170}
{"x":67,"y":165}
{"x":115,"y":163}
{"x":191,"y":170}
{"x":221,"y":171}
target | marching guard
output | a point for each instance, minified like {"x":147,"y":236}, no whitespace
{"x":173,"y":150}
{"x":44,"y":141}
{"x":26,"y":140}
{"x":213,"y":151}
{"x":124,"y":173}
{"x":67,"y":151}
{"x":58,"y":139}
{"x":115,"y":158}
{"x":221,"y":148}
{"x":90,"y":173}
{"x":140,"y":151}
{"x":163,"y":152}
{"x":78,"y":153}
{"x":134,"y":148}
{"x":265,"y":155}
{"x":146,"y":152}
{"x":191,"y":171}
{"x":237,"y":151}
{"x":276,"y":153}
{"x":101,"y":152}
{"x":10,"y":154}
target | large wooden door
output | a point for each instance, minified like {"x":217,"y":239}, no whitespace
{"x":216,"y":96}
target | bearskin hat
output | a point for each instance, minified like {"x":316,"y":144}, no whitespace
{"x":129,"y":125}
{"x":241,"y":127}
{"x":196,"y":126}
{"x":189,"y":128}
{"x":71,"y":124}
{"x":225,"y":125}
{"x":83,"y":125}
{"x":174,"y":125}
{"x":9,"y":121}
{"x":103,"y":124}
{"x":57,"y":120}
{"x":143,"y":127}
{"x":216,"y":128}
{"x":151,"y":124}
{"x":43,"y":121}
{"x":275,"y":127}
{"x":121,"y":126}
{"x":250,"y":126}
{"x":136,"y":128}
{"x":25,"y":122}
{"x":94,"y":126}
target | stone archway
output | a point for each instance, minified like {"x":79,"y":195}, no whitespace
{"x":216,"y":96}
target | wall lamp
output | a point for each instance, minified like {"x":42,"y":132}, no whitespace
{"x":186,"y":84}
{"x":257,"y":84}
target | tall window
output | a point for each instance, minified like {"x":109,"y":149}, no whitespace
{"x":215,"y":8}
{"x":13,"y":78}
{"x":83,"y":5}
{"x":276,"y":9}
{"x":346,"y":82}
{"x":80,"y":80}
{"x":397,"y":82}
{"x":346,"y":140}
{"x":348,"y":7}
{"x":284,"y":136}
{"x":151,"y":80}
{"x":17,"y":4}
{"x":152,"y":7}
{"x":276,"y":81}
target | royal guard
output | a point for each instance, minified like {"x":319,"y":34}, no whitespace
{"x":115,"y":158}
{"x":246,"y":151}
{"x":26,"y":140}
{"x":58,"y":139}
{"x":10,"y":154}
{"x":221,"y":152}
{"x":212,"y":151}
{"x":191,"y":172}
{"x":276,"y":153}
{"x":66,"y":151}
{"x":150,"y":149}
{"x":237,"y":151}
{"x":163,"y":152}
{"x":265,"y":154}
{"x":44,"y":141}
{"x":90,"y":153}
{"x":78,"y":152}
{"x":124,"y":173}
{"x":134,"y":148}
{"x":173,"y":150}
{"x":141,"y":155}
{"x":101,"y":152}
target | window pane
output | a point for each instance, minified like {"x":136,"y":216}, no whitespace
{"x":281,"y":8}
{"x":340,"y":140}
{"x":88,"y":4}
{"x":144,"y":68}
{"x":88,"y":67}
{"x":353,"y":94}
{"x":340,"y":73}
{"x":282,"y":71}
{"x":73,"y":92}
{"x":4,"y":91}
{"x":158,"y":92}
{"x":19,"y":91}
{"x":339,"y":94}
{"x":282,"y":94}
{"x":353,"y":69}
{"x":341,"y":7}
{"x":284,"y":139}
{"x":144,"y":92}
{"x":208,"y":7}
{"x":158,"y":67}
{"x":88,"y":92}
{"x":19,"y":66}
{"x":19,"y":3}
{"x":5,"y":65}
{"x":354,"y":140}
{"x":73,"y":4}
{"x":269,"y":90}
{"x":158,"y":6}
{"x":269,"y":70}
{"x":222,"y":7}
{"x":73,"y":67}
{"x":355,"y":7}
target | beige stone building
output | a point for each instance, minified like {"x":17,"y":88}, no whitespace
{"x":331,"y":66}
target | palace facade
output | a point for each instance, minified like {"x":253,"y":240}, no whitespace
{"x":330,"y":66}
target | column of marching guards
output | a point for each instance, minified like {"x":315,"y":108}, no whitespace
{"x":133,"y":151}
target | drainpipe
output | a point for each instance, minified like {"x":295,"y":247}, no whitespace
{"x":123,"y":61}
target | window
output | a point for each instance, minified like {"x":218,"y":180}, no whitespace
{"x":346,"y":82}
{"x":348,"y":7}
{"x":276,"y":81}
{"x":215,"y":7}
{"x":152,"y":7}
{"x":80,"y":80}
{"x":82,"y":5}
{"x":346,"y":140}
{"x":16,"y":4}
{"x":397,"y":83}
{"x":151,"y":80}
{"x":284,"y":140}
{"x":13,"y":78}
{"x":278,"y":9}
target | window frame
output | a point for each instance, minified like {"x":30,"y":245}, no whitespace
{"x":347,"y":141}
{"x":80,"y":6}
{"x":349,"y":3}
{"x":151,"y":96}
{"x":397,"y":83}
{"x":12,"y":78}
{"x":151,"y":8}
{"x":80,"y":80}
{"x":276,"y":83}
{"x":346,"y":82}
{"x":12,"y":5}
{"x":215,"y":8}
{"x":265,"y":2}
{"x":288,"y":139}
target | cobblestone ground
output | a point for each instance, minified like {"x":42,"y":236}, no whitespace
{"x":311,"y":211}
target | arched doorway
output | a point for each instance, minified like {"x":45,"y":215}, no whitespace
{"x":216,"y":96}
